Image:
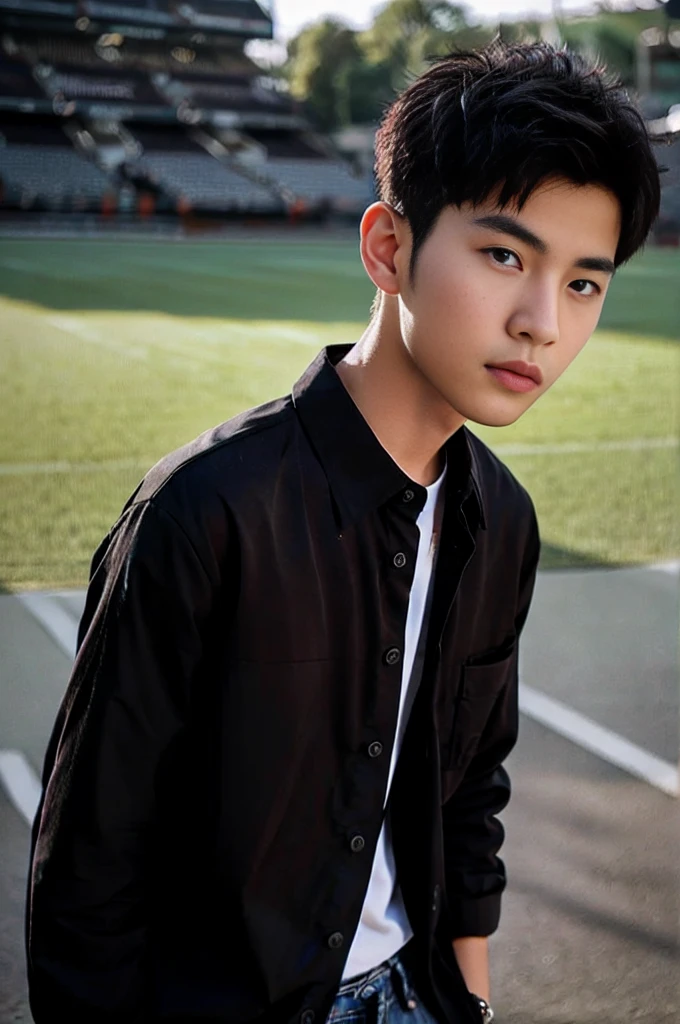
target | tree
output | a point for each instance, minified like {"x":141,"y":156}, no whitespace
{"x":365,"y":90}
{"x":405,"y":33}
{"x":317,"y":65}
{"x":344,"y":77}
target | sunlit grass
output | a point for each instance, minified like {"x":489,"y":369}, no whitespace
{"x":115,"y":354}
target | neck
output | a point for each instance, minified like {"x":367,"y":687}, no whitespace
{"x":407,"y":414}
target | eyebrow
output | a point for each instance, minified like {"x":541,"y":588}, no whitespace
{"x":510,"y":226}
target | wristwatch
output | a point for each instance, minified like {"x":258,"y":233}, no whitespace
{"x":487,"y":1013}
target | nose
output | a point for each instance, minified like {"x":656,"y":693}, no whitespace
{"x":536,"y":316}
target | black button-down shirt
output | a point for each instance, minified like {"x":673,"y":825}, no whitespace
{"x":214,"y":784}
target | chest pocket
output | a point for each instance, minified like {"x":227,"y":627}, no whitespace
{"x":482,"y":679}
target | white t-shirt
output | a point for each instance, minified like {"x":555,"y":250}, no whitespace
{"x":384,"y":927}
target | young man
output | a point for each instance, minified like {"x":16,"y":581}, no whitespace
{"x":271,"y":792}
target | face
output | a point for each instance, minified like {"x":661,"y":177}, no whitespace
{"x":526,"y":291}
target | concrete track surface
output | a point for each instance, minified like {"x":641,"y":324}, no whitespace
{"x":591,"y":921}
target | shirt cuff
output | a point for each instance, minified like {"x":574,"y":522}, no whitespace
{"x":478,"y":916}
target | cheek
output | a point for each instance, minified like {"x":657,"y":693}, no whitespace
{"x":448,"y":292}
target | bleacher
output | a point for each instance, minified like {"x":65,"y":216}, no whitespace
{"x":315,"y":180}
{"x":669,"y":216}
{"x":17,"y":80}
{"x":289,"y":145}
{"x":152,"y":14}
{"x":40,"y":167}
{"x":302,"y":165}
{"x":226,"y":16}
{"x":226,"y":92}
{"x":125,"y":86}
{"x":184,"y":170}
{"x":55,"y":49}
{"x":239,"y":9}
{"x":128,"y":99}
{"x":124,"y":53}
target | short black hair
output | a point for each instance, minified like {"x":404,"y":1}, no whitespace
{"x":510,"y":116}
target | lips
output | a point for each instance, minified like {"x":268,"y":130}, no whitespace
{"x":530,"y":370}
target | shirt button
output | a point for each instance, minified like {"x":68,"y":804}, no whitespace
{"x":436,"y":892}
{"x":399,"y":560}
{"x":408,"y":495}
{"x":335,"y":940}
{"x":375,"y":749}
{"x":357,"y":844}
{"x":392,"y":655}
{"x":307,"y":1017}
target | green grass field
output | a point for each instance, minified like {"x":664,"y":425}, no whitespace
{"x":114,"y":353}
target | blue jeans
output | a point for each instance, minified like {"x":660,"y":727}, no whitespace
{"x":384,"y":995}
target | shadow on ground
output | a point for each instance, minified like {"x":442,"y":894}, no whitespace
{"x":266,"y":278}
{"x":554,"y":557}
{"x":320,"y":281}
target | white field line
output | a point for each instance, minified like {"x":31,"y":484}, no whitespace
{"x":54,"y":619}
{"x":72,"y":325}
{"x":63,"y":466}
{"x":20,"y":782}
{"x":598,"y":740}
{"x":568,"y":448}
{"x":672,"y":568}
{"x":89,"y":334}
{"x":549,"y":712}
{"x":633,"y":444}
{"x":23,"y":787}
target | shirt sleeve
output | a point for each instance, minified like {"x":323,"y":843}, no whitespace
{"x":473,"y":835}
{"x":140,"y":643}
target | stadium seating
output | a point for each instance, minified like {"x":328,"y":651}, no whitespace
{"x":39,"y":166}
{"x":225,"y":15}
{"x":130,"y":53}
{"x":118,"y":78}
{"x":151,"y":14}
{"x":126,"y":87}
{"x":154,"y":137}
{"x":227,"y":92}
{"x":184,"y":170}
{"x":669,"y":217}
{"x":287,"y":144}
{"x":240,"y":9}
{"x":60,"y":49}
{"x":125,"y":5}
{"x":16,"y":78}
{"x":206,"y":183}
{"x":39,"y":131}
{"x":196,"y":60}
{"x":301,"y":165}
{"x":315,"y":180}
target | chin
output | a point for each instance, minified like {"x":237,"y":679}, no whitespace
{"x":487,"y":416}
{"x":497,"y":420}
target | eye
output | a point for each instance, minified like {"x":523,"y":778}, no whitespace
{"x":592,"y":284}
{"x":503,"y":252}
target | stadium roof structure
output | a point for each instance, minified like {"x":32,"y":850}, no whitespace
{"x":247,"y":18}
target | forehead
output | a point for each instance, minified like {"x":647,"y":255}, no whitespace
{"x":566,"y":216}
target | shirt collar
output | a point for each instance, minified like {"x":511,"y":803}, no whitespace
{"x":362,"y":475}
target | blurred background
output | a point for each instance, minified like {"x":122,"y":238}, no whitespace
{"x":180,"y":191}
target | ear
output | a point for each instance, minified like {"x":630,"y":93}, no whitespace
{"x":385,"y":241}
